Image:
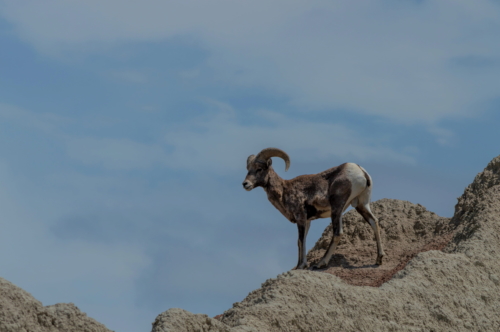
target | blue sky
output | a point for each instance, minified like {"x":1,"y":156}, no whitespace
{"x":125,"y":128}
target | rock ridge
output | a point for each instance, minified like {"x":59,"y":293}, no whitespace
{"x":454,"y":289}
{"x":21,"y":312}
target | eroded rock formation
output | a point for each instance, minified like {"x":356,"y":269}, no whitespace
{"x":454,"y":289}
{"x":21,"y":312}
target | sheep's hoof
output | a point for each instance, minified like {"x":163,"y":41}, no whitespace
{"x":316,"y":267}
{"x":379,"y":260}
{"x":321,"y":264}
{"x":301,"y":266}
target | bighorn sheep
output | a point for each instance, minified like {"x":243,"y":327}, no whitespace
{"x":309,"y":197}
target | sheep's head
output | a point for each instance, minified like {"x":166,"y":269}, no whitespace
{"x":259,"y":166}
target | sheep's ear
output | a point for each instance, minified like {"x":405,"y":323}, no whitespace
{"x":269,"y":162}
{"x":250,"y":159}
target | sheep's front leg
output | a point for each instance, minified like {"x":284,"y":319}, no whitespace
{"x":303,"y":228}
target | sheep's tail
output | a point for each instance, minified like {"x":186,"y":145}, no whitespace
{"x":367,"y":177}
{"x":365,"y":197}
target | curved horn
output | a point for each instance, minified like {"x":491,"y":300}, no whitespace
{"x":250,"y":159}
{"x":274,"y":152}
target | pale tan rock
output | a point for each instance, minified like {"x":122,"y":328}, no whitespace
{"x":21,"y":312}
{"x":457,"y":289}
{"x":180,"y":320}
{"x":406,"y":229}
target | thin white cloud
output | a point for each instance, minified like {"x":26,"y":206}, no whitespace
{"x":58,"y":23}
{"x":112,"y":153}
{"x":223,"y":143}
{"x":396,"y":61}
{"x":129,"y":76}
{"x":216,"y":143}
{"x":444,"y":136}
{"x":46,"y":122}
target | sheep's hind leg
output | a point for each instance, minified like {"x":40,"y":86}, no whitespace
{"x":338,"y":203}
{"x":367,"y":214}
{"x":329,"y":253}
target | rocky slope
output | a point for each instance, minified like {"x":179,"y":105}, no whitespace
{"x":406,"y":230}
{"x":454,"y":289}
{"x":21,"y":312}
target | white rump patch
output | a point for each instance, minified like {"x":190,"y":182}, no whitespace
{"x":354,"y":202}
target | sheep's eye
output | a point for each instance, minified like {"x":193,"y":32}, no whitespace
{"x":259,"y":170}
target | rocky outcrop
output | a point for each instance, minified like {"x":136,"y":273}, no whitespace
{"x":180,"y":320}
{"x":454,"y":289}
{"x":406,"y":229}
{"x":21,"y":312}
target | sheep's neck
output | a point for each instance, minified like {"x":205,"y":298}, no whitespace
{"x":274,"y":189}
